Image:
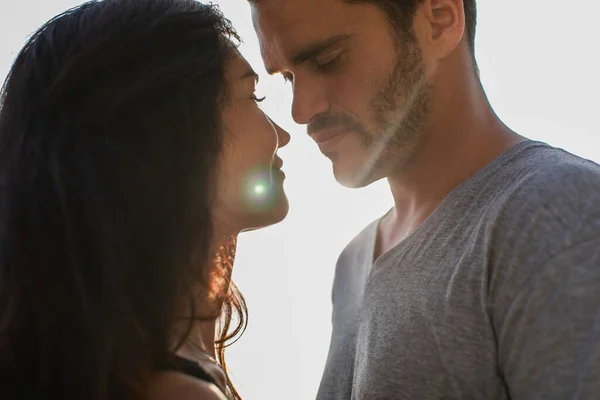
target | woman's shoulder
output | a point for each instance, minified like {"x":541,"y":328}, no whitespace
{"x":175,"y":385}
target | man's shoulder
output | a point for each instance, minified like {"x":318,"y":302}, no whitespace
{"x":544,"y":229}
{"x":556,"y":169}
{"x":555,"y":181}
{"x":552,"y":203}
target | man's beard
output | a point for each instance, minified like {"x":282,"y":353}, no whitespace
{"x":400,"y":112}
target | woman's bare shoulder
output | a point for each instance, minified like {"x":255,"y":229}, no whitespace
{"x":175,"y":385}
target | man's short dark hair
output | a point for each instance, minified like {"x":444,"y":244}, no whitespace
{"x":401,"y":13}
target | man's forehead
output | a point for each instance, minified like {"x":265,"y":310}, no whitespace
{"x":286,"y":11}
{"x":286,"y":27}
{"x":286,"y":5}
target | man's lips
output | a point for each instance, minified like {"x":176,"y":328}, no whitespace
{"x":323,"y":136}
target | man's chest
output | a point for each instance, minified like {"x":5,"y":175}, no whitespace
{"x":422,"y":328}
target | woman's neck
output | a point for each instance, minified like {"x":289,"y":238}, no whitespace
{"x":200,"y":347}
{"x":203,"y":332}
{"x":202,"y":337}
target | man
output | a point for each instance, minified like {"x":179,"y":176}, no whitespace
{"x":481,"y":282}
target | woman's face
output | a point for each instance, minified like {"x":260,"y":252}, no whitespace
{"x":250,"y":181}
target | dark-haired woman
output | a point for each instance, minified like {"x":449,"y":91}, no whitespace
{"x":132,"y":153}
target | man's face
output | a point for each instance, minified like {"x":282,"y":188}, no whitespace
{"x":359,"y":85}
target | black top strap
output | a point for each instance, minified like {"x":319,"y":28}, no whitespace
{"x":191,"y":368}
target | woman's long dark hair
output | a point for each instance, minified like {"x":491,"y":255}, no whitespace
{"x":109,"y":137}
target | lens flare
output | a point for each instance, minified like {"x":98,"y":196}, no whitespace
{"x":259,"y":189}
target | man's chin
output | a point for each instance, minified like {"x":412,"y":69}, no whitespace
{"x":352,"y":178}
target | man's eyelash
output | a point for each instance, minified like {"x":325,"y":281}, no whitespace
{"x":328,"y":66}
{"x":325,"y":67}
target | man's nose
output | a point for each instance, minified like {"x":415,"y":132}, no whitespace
{"x":309,"y":100}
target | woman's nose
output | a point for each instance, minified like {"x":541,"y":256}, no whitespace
{"x":282,"y":135}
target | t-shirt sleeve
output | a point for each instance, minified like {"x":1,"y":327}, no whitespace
{"x":548,"y":327}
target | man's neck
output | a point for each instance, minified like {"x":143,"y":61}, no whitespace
{"x":465,"y":136}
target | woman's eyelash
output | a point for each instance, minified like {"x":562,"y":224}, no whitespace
{"x":258,"y":99}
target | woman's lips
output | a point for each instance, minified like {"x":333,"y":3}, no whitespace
{"x":277,"y":163}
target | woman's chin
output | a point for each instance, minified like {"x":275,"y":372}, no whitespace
{"x":280,"y":211}
{"x":271,"y":216}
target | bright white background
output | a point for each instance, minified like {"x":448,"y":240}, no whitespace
{"x":540,"y":66}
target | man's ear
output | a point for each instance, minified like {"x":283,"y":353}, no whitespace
{"x":440,"y":25}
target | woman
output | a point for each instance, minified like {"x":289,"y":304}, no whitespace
{"x":132,"y":153}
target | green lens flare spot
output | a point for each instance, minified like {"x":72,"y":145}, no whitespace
{"x":259,"y":189}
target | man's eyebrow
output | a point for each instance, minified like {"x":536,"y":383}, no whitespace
{"x":314,"y":49}
{"x":311,"y":50}
{"x":250,"y":74}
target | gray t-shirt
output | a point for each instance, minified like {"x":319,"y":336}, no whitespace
{"x":495,"y":296}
